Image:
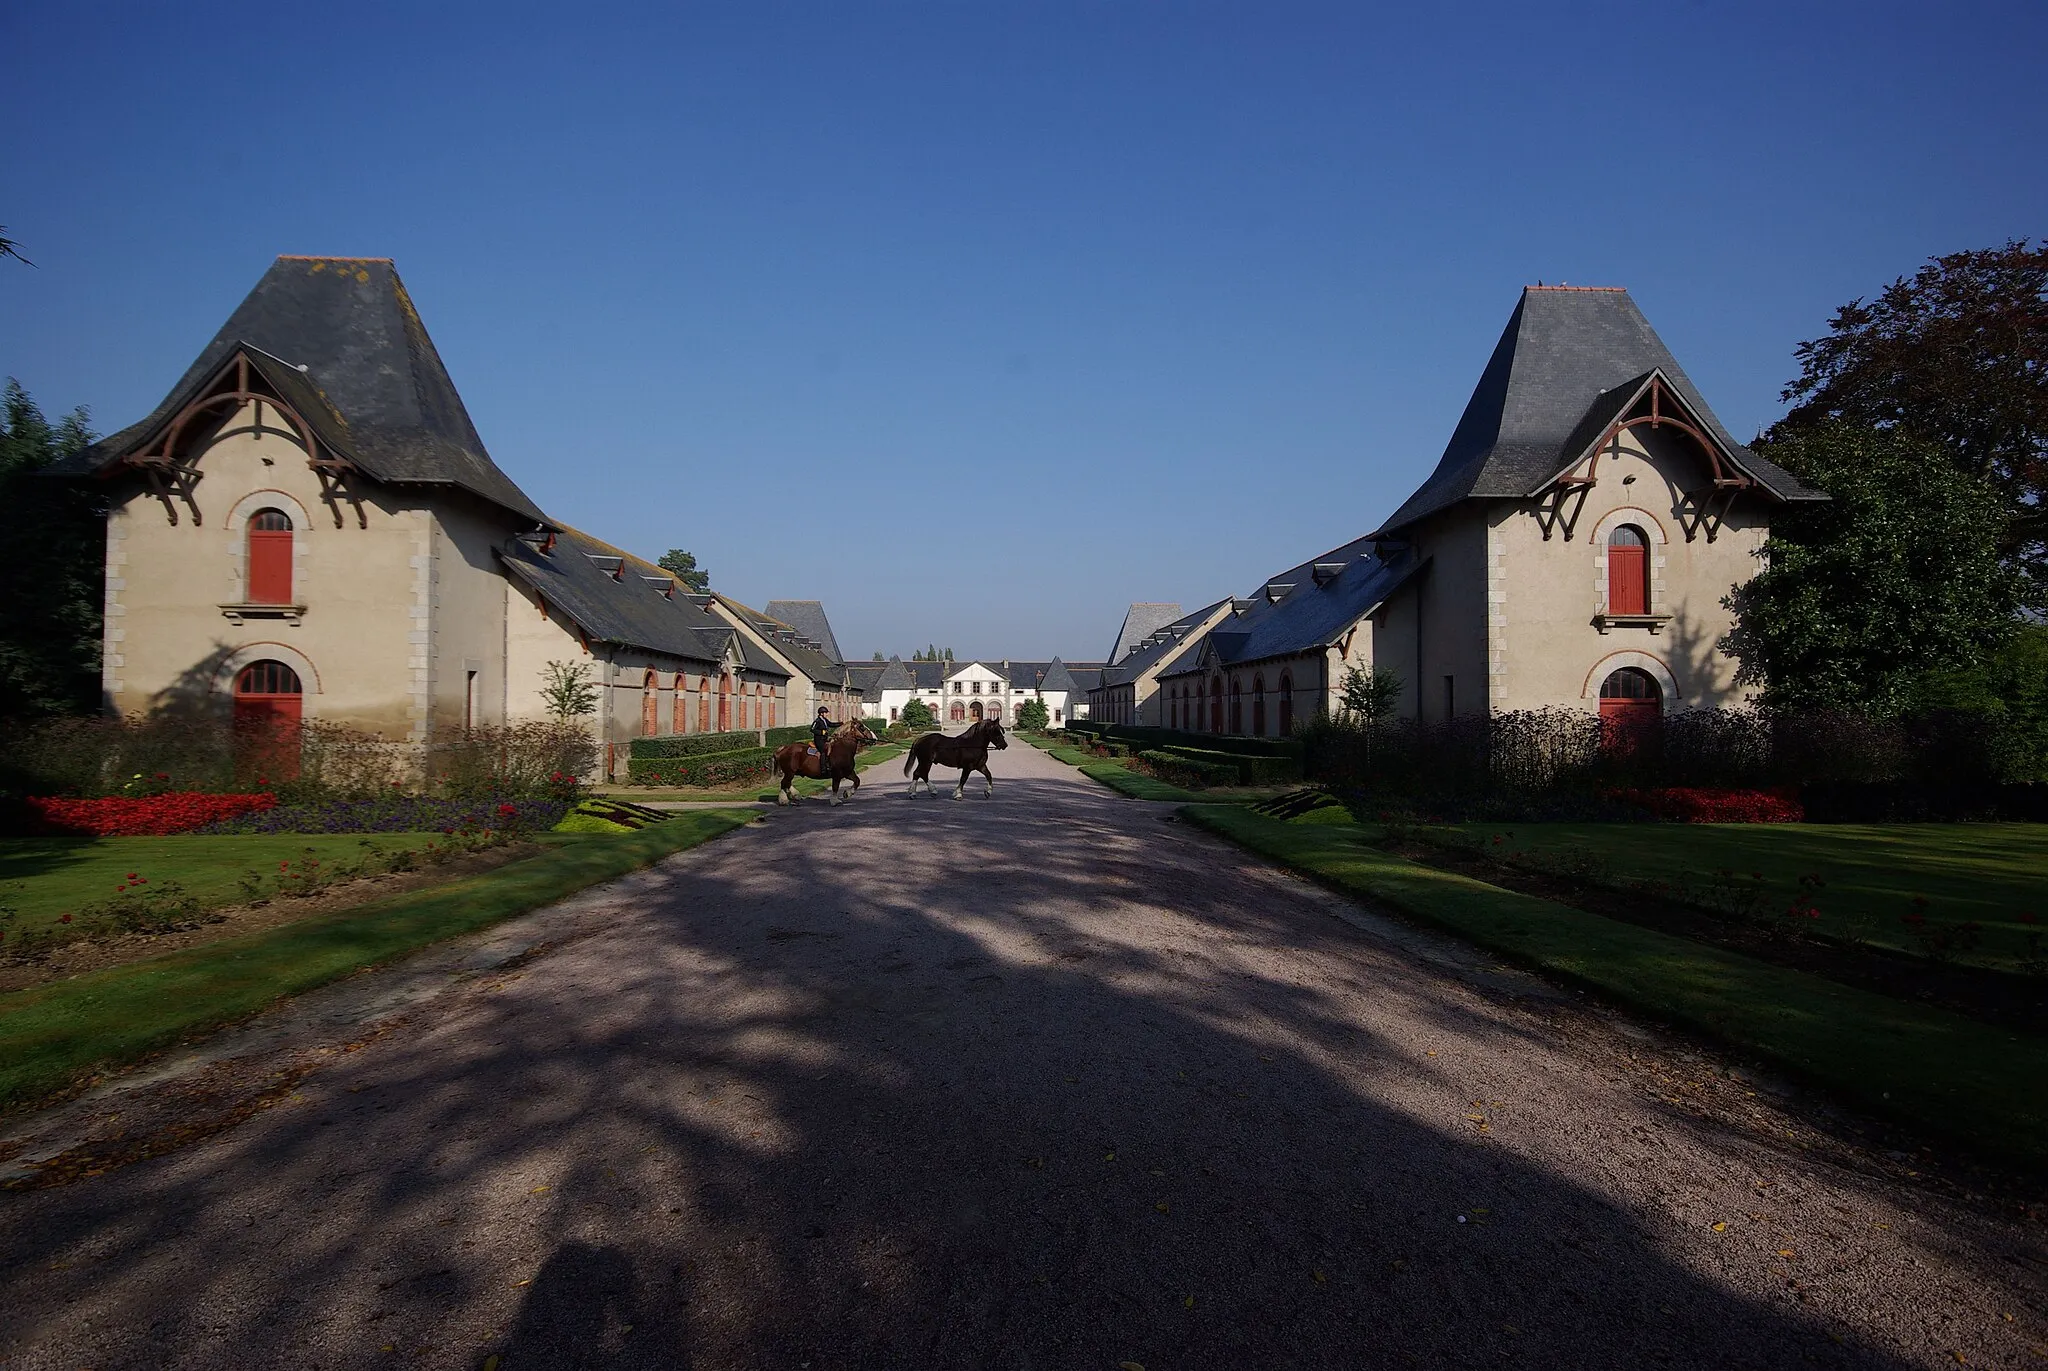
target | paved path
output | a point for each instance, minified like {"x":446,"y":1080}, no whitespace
{"x":1044,"y":1081}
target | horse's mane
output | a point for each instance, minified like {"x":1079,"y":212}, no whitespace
{"x":845,"y":730}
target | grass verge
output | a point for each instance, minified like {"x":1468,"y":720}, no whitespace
{"x":1939,"y":1071}
{"x":1117,"y":776}
{"x":52,"y":1035}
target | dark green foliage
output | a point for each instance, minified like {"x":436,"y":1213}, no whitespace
{"x":1371,"y":693}
{"x":1897,"y":579}
{"x":672,"y":745}
{"x":918,"y":714}
{"x":1957,"y":357}
{"x":50,"y":616}
{"x":1190,"y":772}
{"x":703,"y":769}
{"x":683,"y":566}
{"x":1251,"y":768}
{"x":2007,"y":693}
{"x":1032,"y":716}
{"x":1141,"y":736}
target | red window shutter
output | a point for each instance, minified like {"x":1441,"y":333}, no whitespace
{"x":270,"y":566}
{"x":1627,"y":583}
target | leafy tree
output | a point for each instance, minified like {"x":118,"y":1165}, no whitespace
{"x":683,"y":566}
{"x":2008,"y":694}
{"x":1369,"y":694}
{"x":917,"y":714}
{"x":50,"y":617}
{"x":9,"y":248}
{"x":566,"y":690}
{"x":1033,"y":717}
{"x":880,"y":658}
{"x":1867,"y":598}
{"x":1955,"y":356}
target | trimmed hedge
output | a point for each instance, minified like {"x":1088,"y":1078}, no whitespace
{"x":1189,"y":772}
{"x":669,"y":746}
{"x":1251,"y":769}
{"x":712,"y":769}
{"x":1138,"y":736}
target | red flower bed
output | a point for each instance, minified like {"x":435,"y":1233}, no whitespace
{"x":1690,"y":805}
{"x":123,"y":816}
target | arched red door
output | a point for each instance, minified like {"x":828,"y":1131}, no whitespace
{"x":270,"y":558}
{"x":1216,"y":704}
{"x":1628,"y":571}
{"x":650,"y":705}
{"x":1631,"y":706}
{"x":725,"y":702}
{"x":1259,"y":705}
{"x":1286,"y":703}
{"x":269,"y":703}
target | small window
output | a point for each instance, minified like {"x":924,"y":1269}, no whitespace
{"x":1628,"y":571}
{"x":269,"y":579}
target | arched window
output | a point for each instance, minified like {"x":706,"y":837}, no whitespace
{"x":269,"y":702}
{"x":1631,"y":704}
{"x":1628,"y":571}
{"x":650,"y":704}
{"x":704,"y":704}
{"x":679,"y":706}
{"x":270,"y":558}
{"x":1236,"y":705}
{"x":725,"y":702}
{"x":1215,"y":704}
{"x":1286,"y":703}
{"x":774,"y":696}
{"x":1259,"y":704}
{"x":958,"y":714}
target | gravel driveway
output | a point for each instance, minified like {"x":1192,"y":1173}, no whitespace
{"x":1040,"y":1081}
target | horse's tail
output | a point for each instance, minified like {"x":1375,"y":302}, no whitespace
{"x":909,"y":756}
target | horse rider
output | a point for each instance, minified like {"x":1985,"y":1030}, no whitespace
{"x":821,"y":733}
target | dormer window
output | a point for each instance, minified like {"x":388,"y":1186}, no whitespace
{"x":270,"y":558}
{"x":1628,"y":571}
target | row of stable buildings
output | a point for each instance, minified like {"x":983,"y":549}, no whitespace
{"x":309,"y":526}
{"x":1576,"y":546}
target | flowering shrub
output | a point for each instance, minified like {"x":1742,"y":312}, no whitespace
{"x":1693,"y":805}
{"x":399,"y":813}
{"x":122,"y":816}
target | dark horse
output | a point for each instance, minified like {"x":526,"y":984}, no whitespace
{"x":797,"y":759}
{"x":969,"y":752}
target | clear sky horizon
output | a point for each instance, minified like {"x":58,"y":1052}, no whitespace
{"x":979,"y":322}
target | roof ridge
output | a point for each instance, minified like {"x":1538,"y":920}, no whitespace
{"x":1613,"y":289}
{"x":326,"y":257}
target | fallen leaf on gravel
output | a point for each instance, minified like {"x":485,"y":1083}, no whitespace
{"x":1320,"y":1279}
{"x":491,"y":1362}
{"x":1720,"y":1228}
{"x":527,"y":1281}
{"x":538,"y":1190}
{"x":1161,"y":1207}
{"x":1188,"y":1303}
{"x":1785,"y":1252}
{"x":1129,"y":1366}
{"x":1109,"y":1157}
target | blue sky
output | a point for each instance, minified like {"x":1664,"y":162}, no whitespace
{"x":978,"y":321}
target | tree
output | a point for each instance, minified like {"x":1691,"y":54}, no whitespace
{"x":10,"y":248}
{"x":1032,"y":716}
{"x":1956,"y":357}
{"x":880,"y":658}
{"x":917,"y":714}
{"x":683,"y":567}
{"x":566,"y":690}
{"x":50,"y":618}
{"x":1369,"y":694}
{"x":1864,"y":600}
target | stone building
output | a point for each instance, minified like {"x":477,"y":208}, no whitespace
{"x":309,"y":526}
{"x":1573,"y":548}
{"x":961,"y":693}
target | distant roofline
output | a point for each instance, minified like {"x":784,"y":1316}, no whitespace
{"x":325,"y":257}
{"x":1612,"y":289}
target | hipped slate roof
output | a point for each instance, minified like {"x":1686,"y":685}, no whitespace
{"x":1563,"y":349}
{"x":815,"y":665}
{"x":630,"y":609}
{"x":1141,"y":621}
{"x":808,"y":618}
{"x":373,"y":385}
{"x":1161,"y":643}
{"x":896,"y":676}
{"x":1293,"y":614}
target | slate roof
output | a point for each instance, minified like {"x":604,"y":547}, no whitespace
{"x":1141,"y":621}
{"x":815,"y":665}
{"x":896,"y":675}
{"x":1162,"y":643}
{"x":928,"y":675}
{"x":630,"y":610}
{"x":1308,"y":616}
{"x":373,"y":388}
{"x":866,"y":677}
{"x":1564,"y":349}
{"x":808,"y":618}
{"x":1086,"y":678}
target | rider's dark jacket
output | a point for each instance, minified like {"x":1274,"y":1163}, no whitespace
{"x":821,"y":730}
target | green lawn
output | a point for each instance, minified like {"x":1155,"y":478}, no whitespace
{"x":1991,"y":874}
{"x":52,"y":1035}
{"x":1940,"y":1071}
{"x":42,"y":879}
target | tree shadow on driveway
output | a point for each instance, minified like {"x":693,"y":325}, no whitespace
{"x":1027,"y":1083}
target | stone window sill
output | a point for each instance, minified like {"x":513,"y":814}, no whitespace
{"x":291,"y":614}
{"x":1654,"y":622}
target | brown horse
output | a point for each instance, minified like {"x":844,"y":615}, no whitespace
{"x":969,"y":752}
{"x":797,"y":759}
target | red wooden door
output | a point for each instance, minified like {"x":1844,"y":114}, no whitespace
{"x":1216,"y":705}
{"x":725,"y":702}
{"x":270,"y":558}
{"x":269,"y":704}
{"x":1628,"y":572}
{"x":1631,"y":706}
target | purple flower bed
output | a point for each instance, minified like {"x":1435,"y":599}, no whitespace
{"x":398,"y":814}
